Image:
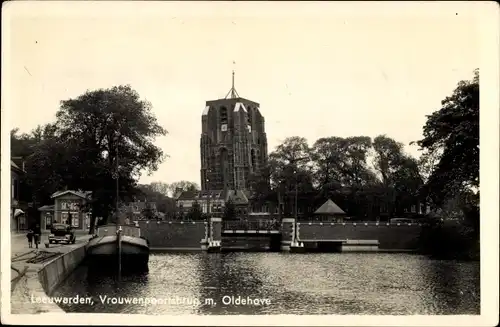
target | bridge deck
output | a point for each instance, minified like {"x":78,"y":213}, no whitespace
{"x":240,"y":231}
{"x":344,"y":241}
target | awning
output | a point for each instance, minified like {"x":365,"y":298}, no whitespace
{"x":18,"y":212}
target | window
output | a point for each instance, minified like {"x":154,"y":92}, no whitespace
{"x":75,"y":221}
{"x":249,"y":120}
{"x":223,"y":115}
{"x":252,"y":155}
{"x":48,"y":221}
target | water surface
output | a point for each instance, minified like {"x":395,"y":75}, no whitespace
{"x":329,"y":283}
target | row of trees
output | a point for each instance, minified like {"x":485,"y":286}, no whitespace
{"x":339,"y":168}
{"x":372,"y":177}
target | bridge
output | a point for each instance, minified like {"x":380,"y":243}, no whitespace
{"x":290,"y":235}
{"x":285,"y":235}
{"x":256,"y":227}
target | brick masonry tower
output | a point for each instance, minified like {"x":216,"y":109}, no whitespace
{"x":233,"y":142}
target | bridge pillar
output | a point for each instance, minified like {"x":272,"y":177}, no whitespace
{"x":287,"y":233}
{"x":206,"y":238}
{"x":215,"y":234}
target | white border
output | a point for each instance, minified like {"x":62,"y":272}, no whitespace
{"x":489,"y":31}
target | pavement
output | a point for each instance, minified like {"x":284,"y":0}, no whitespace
{"x":24,"y":275}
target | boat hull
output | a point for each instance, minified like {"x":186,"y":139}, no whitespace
{"x":102,"y":253}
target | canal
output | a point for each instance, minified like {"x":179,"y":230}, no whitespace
{"x":347,"y":283}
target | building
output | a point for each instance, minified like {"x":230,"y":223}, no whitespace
{"x":330,"y":211}
{"x":69,"y":208}
{"x":136,"y":209}
{"x":233,"y":146}
{"x":233,"y":142}
{"x":214,"y":201}
{"x":17,"y":216}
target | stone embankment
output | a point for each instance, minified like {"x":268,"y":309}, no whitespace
{"x":36,"y":272}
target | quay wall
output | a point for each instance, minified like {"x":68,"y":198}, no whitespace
{"x":54,"y":272}
{"x":390,"y":237}
{"x":174,"y":235}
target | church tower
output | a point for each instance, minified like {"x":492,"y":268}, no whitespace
{"x":233,"y":142}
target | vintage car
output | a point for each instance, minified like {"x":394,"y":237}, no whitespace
{"x":62,"y":233}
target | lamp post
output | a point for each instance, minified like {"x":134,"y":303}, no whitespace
{"x":207,"y":180}
{"x":118,"y":228}
{"x":294,"y":162}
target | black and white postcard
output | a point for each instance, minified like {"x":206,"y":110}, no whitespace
{"x":250,"y":163}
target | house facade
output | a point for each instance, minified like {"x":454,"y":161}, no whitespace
{"x":213,"y":203}
{"x":136,"y":209}
{"x":68,"y":208}
{"x":17,"y":216}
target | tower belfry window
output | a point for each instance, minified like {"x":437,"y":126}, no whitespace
{"x":223,"y":115}
{"x":249,"y":120}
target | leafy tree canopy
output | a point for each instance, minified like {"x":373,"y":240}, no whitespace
{"x":98,"y":137}
{"x":451,"y":143}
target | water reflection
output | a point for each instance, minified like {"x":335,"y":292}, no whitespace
{"x":348,"y":283}
{"x":451,"y":285}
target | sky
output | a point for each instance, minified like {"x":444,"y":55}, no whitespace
{"x":318,"y":70}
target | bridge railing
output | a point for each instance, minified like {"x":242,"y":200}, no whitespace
{"x":251,"y":225}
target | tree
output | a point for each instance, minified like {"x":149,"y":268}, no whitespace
{"x":388,"y":158}
{"x":176,"y":188}
{"x":452,"y":133}
{"x":290,"y":166}
{"x":195,"y":212}
{"x":229,"y":210}
{"x":160,"y":187}
{"x":259,"y":183}
{"x":105,"y":134}
{"x":164,"y":203}
{"x":328,"y":156}
{"x":149,"y":213}
{"x":39,"y":182}
{"x":407,"y":183}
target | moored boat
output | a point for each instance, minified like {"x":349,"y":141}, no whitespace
{"x":104,"y":248}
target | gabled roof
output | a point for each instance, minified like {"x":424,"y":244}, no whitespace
{"x":81,"y":194}
{"x":329,"y":208}
{"x":188,"y":195}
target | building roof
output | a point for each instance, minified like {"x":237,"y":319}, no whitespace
{"x":329,"y":208}
{"x":15,"y":167}
{"x":237,"y":196}
{"x":81,"y":194}
{"x":201,"y":195}
{"x":47,"y":208}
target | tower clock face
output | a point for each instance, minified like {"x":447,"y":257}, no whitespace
{"x":223,"y":128}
